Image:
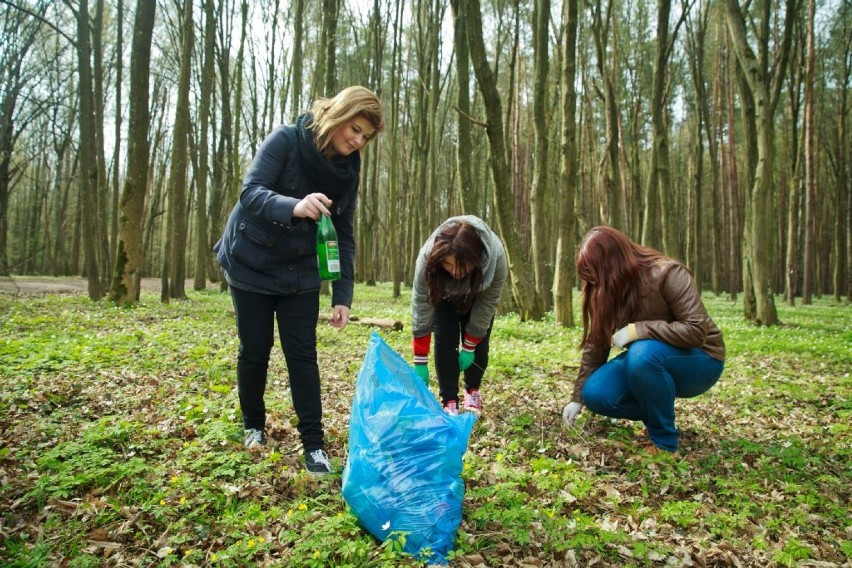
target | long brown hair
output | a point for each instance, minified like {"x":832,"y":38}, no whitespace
{"x":612,"y":268}
{"x":460,"y":240}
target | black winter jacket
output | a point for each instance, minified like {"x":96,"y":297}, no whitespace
{"x":263,"y":247}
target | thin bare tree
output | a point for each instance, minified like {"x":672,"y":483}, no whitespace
{"x":115,"y":183}
{"x":298,"y":50}
{"x":658,"y":187}
{"x":174,"y":264}
{"x":564,"y":278}
{"x":88,"y":154}
{"x":840,"y":151}
{"x":394,"y":174}
{"x":810,"y":168}
{"x":609,"y":166}
{"x":203,"y":256}
{"x":19,"y":32}
{"x":540,"y":193}
{"x":529,"y":303}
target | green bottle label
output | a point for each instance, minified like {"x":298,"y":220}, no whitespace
{"x":332,"y":256}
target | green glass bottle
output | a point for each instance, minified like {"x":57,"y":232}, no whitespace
{"x":328,"y":251}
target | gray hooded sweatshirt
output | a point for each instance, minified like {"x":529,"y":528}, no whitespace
{"x":495,"y":270}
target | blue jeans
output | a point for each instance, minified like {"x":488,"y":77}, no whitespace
{"x":642,"y":383}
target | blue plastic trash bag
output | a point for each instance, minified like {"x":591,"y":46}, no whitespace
{"x":403,"y":472}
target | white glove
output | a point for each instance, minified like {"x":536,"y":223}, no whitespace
{"x":625,"y":336}
{"x":570,"y":412}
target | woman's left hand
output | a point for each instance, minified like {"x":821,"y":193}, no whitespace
{"x":339,"y":317}
{"x":625,"y":336}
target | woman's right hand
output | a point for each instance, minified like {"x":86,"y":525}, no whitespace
{"x":312,"y":206}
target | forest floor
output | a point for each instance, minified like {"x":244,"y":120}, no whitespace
{"x":121,"y":445}
{"x":37,"y":285}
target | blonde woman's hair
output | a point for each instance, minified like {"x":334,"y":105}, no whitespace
{"x":329,"y":114}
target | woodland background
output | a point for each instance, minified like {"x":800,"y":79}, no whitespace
{"x":715,"y":131}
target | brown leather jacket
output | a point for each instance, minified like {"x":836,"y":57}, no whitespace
{"x":671,"y":311}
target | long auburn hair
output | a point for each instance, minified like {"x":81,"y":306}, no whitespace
{"x":460,"y":240}
{"x":612,"y":268}
{"x":354,"y":101}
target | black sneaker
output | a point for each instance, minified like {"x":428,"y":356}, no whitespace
{"x":254,"y":438}
{"x":316,"y":462}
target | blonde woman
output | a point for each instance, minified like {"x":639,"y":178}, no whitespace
{"x":268,"y":254}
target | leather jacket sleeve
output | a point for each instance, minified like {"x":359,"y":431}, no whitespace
{"x":688,"y":327}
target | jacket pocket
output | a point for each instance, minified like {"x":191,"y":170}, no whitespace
{"x":253,"y":246}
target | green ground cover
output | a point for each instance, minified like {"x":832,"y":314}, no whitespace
{"x":120,"y":445}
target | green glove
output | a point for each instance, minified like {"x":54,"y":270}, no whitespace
{"x":422,"y":370}
{"x":465,"y":359}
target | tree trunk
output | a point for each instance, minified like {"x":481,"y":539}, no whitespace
{"x":436,"y":16}
{"x":464,"y":145}
{"x":843,"y":161}
{"x":656,"y":188}
{"x":530,"y":305}
{"x":698,"y":245}
{"x":116,"y":156}
{"x":329,"y":44}
{"x":563,"y":281}
{"x":763,"y":84}
{"x":88,"y":158}
{"x":540,"y":194}
{"x":129,"y":258}
{"x":397,"y":228}
{"x":177,"y":232}
{"x":298,"y":55}
{"x":19,"y":33}
{"x":712,"y":121}
{"x":62,"y":186}
{"x":791,"y":265}
{"x":203,"y":254}
{"x":234,"y":176}
{"x":609,"y":166}
{"x":102,"y":194}
{"x":810,"y":174}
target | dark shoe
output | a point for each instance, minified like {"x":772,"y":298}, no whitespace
{"x":255,"y":439}
{"x":316,"y":462}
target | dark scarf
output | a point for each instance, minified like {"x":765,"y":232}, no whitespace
{"x":335,"y":178}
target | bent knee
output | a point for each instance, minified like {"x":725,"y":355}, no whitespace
{"x":597,"y":400}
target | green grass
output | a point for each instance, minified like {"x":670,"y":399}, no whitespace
{"x":120,"y":444}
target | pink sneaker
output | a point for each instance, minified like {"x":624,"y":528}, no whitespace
{"x":452,"y":408}
{"x":472,"y":401}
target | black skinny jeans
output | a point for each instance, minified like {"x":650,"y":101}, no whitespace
{"x":449,"y":327}
{"x":297,"y":328}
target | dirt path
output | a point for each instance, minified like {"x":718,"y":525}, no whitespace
{"x":30,"y":285}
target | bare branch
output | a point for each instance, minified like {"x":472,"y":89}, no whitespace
{"x":470,"y":118}
{"x":40,"y":17}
